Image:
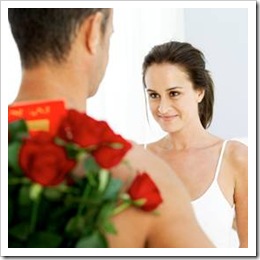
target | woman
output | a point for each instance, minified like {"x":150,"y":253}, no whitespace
{"x":181,"y":96}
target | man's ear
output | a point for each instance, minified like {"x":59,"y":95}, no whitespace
{"x":92,"y":32}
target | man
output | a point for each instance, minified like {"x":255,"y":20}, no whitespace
{"x":64,"y":54}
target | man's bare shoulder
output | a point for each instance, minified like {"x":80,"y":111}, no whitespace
{"x":139,"y":160}
{"x":172,"y":226}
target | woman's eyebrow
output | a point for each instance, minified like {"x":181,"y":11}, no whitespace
{"x":173,"y":88}
{"x":168,"y":89}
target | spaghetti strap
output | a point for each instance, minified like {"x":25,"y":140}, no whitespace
{"x":220,"y":159}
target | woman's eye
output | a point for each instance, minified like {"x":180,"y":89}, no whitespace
{"x":174,"y":93}
{"x":153,"y":95}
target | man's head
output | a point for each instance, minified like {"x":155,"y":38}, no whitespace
{"x":72,"y":42}
{"x":43,"y":34}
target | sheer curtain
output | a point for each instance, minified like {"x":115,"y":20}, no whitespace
{"x":120,"y":99}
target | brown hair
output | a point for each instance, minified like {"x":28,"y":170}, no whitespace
{"x":192,"y":61}
{"x":42,"y":33}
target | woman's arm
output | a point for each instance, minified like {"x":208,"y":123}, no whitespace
{"x":239,"y":159}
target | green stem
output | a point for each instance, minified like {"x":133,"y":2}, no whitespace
{"x":34,"y":215}
{"x":122,"y":207}
{"x":18,"y":180}
{"x":82,"y":202}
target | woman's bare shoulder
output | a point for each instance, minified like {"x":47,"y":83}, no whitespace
{"x":154,"y":147}
{"x":237,"y":149}
{"x":237,"y":153}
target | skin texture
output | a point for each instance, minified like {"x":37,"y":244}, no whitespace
{"x":78,"y":79}
{"x":175,"y":226}
{"x":174,"y":105}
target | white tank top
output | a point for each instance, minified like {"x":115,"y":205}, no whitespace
{"x":215,"y":214}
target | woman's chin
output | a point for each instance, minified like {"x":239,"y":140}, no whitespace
{"x":170,"y":129}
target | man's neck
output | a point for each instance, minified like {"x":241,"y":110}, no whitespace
{"x":52,"y":82}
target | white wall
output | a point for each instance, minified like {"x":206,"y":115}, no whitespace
{"x":222,"y":34}
{"x":121,"y":93}
{"x":120,"y":99}
{"x":10,"y":62}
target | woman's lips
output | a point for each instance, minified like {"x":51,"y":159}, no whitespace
{"x":168,"y":117}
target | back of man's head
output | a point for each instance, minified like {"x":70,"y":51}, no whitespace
{"x":43,"y":34}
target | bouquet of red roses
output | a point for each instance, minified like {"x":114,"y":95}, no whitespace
{"x":61,"y":192}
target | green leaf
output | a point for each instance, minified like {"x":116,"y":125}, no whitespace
{"x":109,"y":227}
{"x":44,"y":239}
{"x":20,"y":231}
{"x":92,"y":178}
{"x":75,"y":225}
{"x":10,"y":210}
{"x":24,"y":198}
{"x":52,"y":194}
{"x":16,"y":180}
{"x":73,"y":151}
{"x":17,"y":129}
{"x":90,"y":165}
{"x":95,"y":240}
{"x":12,"y":243}
{"x":112,"y":189}
{"x":105,"y":212}
{"x":13,"y":156}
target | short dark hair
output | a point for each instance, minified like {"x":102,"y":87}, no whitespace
{"x":192,"y":61}
{"x":47,"y":33}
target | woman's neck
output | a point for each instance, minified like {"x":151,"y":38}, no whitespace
{"x":187,"y":139}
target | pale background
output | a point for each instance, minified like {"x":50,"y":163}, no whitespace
{"x":121,"y":99}
{"x":221,"y":34}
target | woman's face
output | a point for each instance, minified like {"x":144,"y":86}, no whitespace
{"x":172,"y":98}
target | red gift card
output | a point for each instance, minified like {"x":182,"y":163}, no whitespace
{"x":39,"y":116}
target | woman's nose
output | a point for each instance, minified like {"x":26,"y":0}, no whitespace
{"x":164,"y":107}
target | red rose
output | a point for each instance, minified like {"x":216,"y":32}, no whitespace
{"x":112,"y":148}
{"x":43,"y":161}
{"x":143,"y":187}
{"x":108,"y":148}
{"x":108,"y":156}
{"x":80,"y":129}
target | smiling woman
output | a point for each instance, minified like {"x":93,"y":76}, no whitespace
{"x":136,"y":30}
{"x":214,"y":171}
{"x":177,"y":90}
